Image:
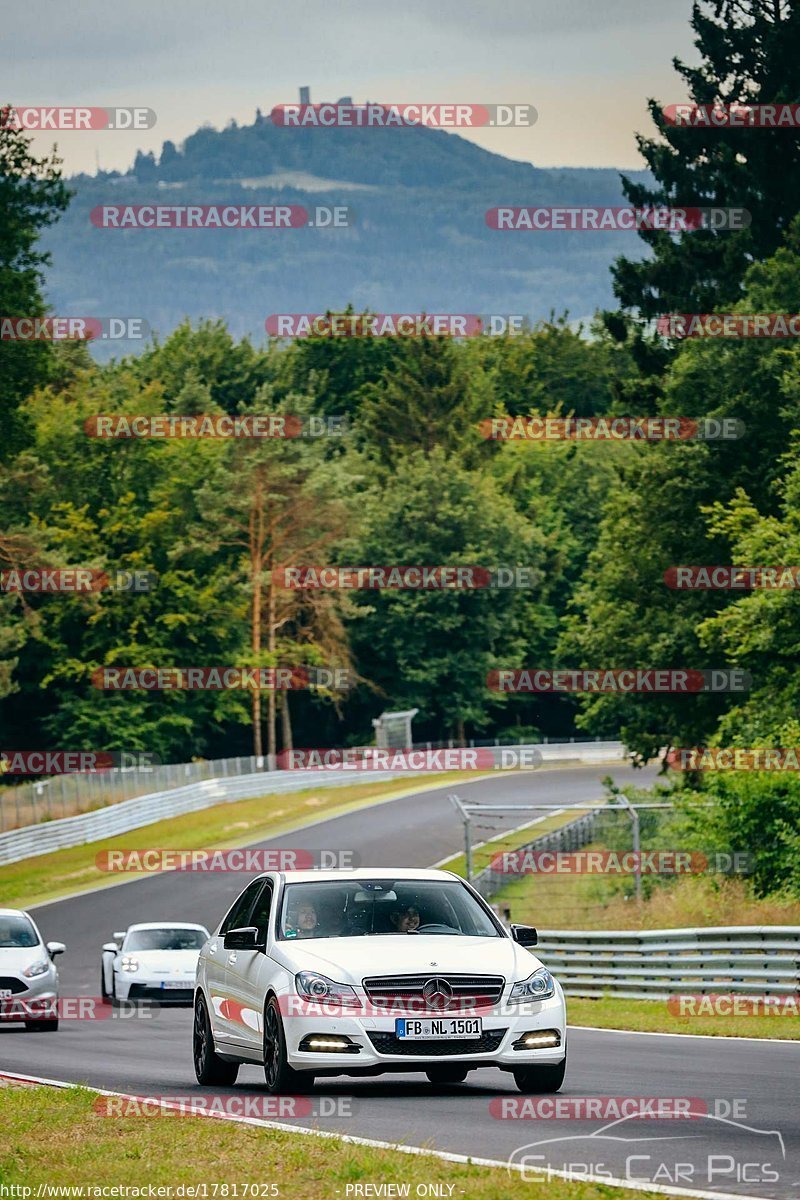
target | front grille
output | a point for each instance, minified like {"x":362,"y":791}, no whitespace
{"x":469,"y":991}
{"x":390,"y":1043}
{"x":9,"y":984}
{"x":140,"y":991}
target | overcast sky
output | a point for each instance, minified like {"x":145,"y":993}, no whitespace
{"x":587,"y":66}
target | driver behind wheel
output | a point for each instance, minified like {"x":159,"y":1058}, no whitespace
{"x":303,"y":921}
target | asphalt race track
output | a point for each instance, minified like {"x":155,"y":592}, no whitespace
{"x":730,"y":1151}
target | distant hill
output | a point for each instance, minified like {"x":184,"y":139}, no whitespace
{"x":419,"y":241}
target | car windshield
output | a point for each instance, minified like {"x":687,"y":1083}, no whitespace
{"x":165,"y":939}
{"x":382,"y":907}
{"x":17,"y":933}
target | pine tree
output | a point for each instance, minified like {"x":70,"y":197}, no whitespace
{"x":750,"y":51}
{"x":424,"y":399}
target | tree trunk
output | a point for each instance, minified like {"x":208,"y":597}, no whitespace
{"x":272,"y":646}
{"x":258,"y":748}
{"x":256,"y":540}
{"x":461,"y":737}
{"x":286,"y":725}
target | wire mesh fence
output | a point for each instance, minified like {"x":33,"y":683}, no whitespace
{"x":594,"y":868}
{"x":69,"y":795}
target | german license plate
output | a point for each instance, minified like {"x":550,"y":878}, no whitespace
{"x":421,"y":1029}
{"x":174,"y":983}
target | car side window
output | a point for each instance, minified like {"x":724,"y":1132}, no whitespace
{"x":261,"y":911}
{"x":237,"y":917}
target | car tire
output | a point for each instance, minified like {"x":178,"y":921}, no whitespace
{"x":209,"y":1068}
{"x":281,"y":1079}
{"x":104,"y":996}
{"x":447,"y":1073}
{"x":42,"y":1026}
{"x":548,"y":1077}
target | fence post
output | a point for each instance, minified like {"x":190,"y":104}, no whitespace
{"x":468,"y":848}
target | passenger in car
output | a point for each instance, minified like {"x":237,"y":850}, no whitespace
{"x":405,"y":919}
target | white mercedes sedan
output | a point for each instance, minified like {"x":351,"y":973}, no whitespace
{"x":362,"y":973}
{"x":28,"y":975}
{"x":154,"y":961}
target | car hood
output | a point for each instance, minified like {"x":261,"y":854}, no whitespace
{"x":350,"y":960}
{"x":163,"y":961}
{"x":14,"y":960}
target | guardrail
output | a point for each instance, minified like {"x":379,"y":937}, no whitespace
{"x":33,"y":840}
{"x":761,"y":960}
{"x":46,"y":836}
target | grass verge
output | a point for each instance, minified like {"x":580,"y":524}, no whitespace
{"x":597,"y":901}
{"x":53,"y":1136}
{"x":225,"y":826}
{"x":652,"y":1016}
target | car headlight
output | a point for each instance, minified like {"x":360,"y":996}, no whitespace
{"x":129,"y":964}
{"x":313,"y":986}
{"x":539,"y":986}
{"x":40,"y":967}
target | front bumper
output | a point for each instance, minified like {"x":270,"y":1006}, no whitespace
{"x":379,"y":1049}
{"x":133,"y":986}
{"x":31,"y":999}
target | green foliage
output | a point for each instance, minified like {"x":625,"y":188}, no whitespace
{"x":670,"y":507}
{"x":755,"y":813}
{"x":31,"y":197}
{"x":434,"y":649}
{"x":749,"y":54}
{"x":596,"y":525}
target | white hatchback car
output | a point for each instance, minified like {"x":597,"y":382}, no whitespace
{"x":28,"y":975}
{"x":319,"y":973}
{"x":152,"y":961}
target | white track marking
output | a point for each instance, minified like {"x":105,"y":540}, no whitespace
{"x":713,"y":1037}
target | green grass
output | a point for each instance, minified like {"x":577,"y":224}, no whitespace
{"x":652,"y":1016}
{"x":54,"y":1136}
{"x":225,"y":826}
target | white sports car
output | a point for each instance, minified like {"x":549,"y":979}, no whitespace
{"x":28,"y":975}
{"x":155,"y":961}
{"x":319,"y":973}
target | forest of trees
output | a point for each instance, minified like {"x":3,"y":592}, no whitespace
{"x":405,"y":477}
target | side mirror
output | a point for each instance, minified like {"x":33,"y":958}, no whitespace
{"x":524,"y":935}
{"x":54,"y":948}
{"x":119,"y":936}
{"x":112,"y":947}
{"x":242,"y":939}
